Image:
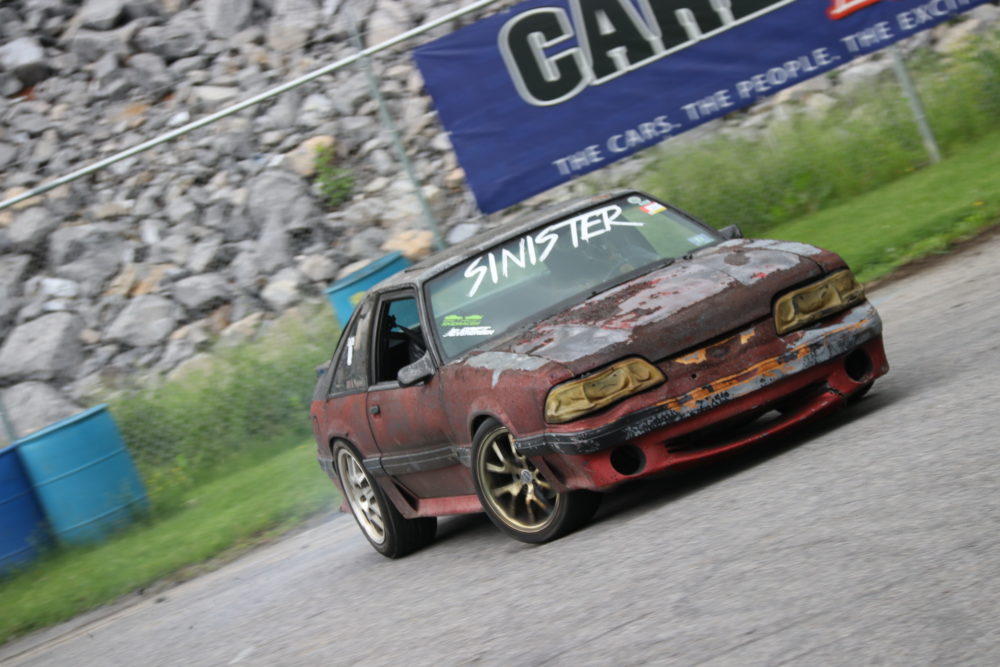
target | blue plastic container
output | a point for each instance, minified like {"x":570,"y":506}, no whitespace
{"x":345,"y":294}
{"x":22,"y":525}
{"x":83,"y":476}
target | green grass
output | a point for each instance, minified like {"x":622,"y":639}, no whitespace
{"x":920,"y":215}
{"x":222,"y":517}
{"x":812,"y":162}
{"x":241,"y":399}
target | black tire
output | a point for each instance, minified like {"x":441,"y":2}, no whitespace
{"x":515,"y":494}
{"x":389,"y":532}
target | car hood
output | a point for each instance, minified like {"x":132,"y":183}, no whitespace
{"x":664,"y":312}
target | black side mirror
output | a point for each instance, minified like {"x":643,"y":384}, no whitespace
{"x":731,"y":232}
{"x":421,"y":369}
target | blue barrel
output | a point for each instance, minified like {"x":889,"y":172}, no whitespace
{"x":345,"y":294}
{"x":83,"y":476}
{"x":22,"y":525}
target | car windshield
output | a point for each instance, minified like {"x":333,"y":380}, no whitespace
{"x":527,"y":277}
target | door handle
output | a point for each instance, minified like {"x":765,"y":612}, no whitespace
{"x":374,"y":410}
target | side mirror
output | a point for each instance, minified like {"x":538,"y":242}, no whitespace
{"x":731,"y":232}
{"x":421,"y":369}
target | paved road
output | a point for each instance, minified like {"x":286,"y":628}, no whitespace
{"x":874,"y":539}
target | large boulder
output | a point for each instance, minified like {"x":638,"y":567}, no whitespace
{"x":200,"y":294}
{"x":183,"y":36}
{"x":280,"y":196}
{"x":45,"y":348}
{"x":89,"y":254}
{"x":25,"y":58}
{"x":31,"y":406}
{"x":225,"y":18}
{"x":146,"y":320}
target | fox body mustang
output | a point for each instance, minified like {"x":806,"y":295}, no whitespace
{"x":524,"y":371}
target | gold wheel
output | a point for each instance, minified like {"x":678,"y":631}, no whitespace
{"x":515,"y":491}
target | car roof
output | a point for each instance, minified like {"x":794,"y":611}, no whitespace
{"x":451,"y":256}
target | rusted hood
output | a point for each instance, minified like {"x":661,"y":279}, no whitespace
{"x":660,"y":314}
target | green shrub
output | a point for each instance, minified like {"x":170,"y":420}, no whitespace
{"x":335,"y":183}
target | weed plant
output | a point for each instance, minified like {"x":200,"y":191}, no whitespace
{"x":334,"y":183}
{"x":812,"y":162}
{"x":244,"y":403}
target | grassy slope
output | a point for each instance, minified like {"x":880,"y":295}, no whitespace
{"x":922,"y":214}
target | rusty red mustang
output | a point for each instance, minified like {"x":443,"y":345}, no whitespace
{"x":523,"y":371}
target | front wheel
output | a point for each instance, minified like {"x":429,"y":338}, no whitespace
{"x":516,"y":495}
{"x":388,"y":531}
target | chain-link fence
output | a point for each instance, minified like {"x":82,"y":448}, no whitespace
{"x":186,"y":285}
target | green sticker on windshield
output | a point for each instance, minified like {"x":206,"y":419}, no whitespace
{"x":462,"y":320}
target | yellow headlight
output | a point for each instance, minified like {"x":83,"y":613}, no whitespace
{"x":814,"y":302}
{"x":578,"y":397}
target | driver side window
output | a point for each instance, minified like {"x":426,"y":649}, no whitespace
{"x":399,"y":340}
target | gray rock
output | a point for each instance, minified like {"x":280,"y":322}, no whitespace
{"x":45,"y":148}
{"x":281,"y":196}
{"x":90,"y":45}
{"x":367,"y":242}
{"x":318,"y":268}
{"x":45,"y":348}
{"x":389,"y":20}
{"x":206,"y":254}
{"x":225,"y":18}
{"x":10,"y":85}
{"x":25,"y":59}
{"x":183,"y":36}
{"x":202,"y":293}
{"x":59,"y":288}
{"x":31,"y":227}
{"x":101,"y":14}
{"x":145,"y":320}
{"x":181,"y":209}
{"x":273,"y":250}
{"x":8,"y":154}
{"x":282,"y":290}
{"x":292,"y":23}
{"x":13,"y":271}
{"x":855,"y":77}
{"x":174,"y":249}
{"x":245,"y":269}
{"x":88,"y":254}
{"x":32,"y":406}
{"x":316,"y":109}
{"x":135,"y":9}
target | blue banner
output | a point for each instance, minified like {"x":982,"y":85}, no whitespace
{"x":552,"y":89}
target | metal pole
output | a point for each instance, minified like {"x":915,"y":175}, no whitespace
{"x":240,"y":106}
{"x":397,"y":142}
{"x":916,"y":106}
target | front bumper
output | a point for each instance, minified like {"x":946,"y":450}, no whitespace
{"x":811,"y":371}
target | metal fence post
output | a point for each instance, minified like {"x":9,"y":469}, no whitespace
{"x":913,"y":97}
{"x":390,"y":126}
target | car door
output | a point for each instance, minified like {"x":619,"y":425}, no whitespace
{"x":342,"y":392}
{"x":408,"y":423}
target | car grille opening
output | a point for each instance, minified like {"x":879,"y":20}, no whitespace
{"x":858,"y":366}
{"x":628,"y":460}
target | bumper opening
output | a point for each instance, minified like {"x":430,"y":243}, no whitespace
{"x":628,"y":460}
{"x":858,"y":366}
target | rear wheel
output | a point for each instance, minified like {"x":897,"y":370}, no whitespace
{"x":388,"y":531}
{"x":516,"y":495}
